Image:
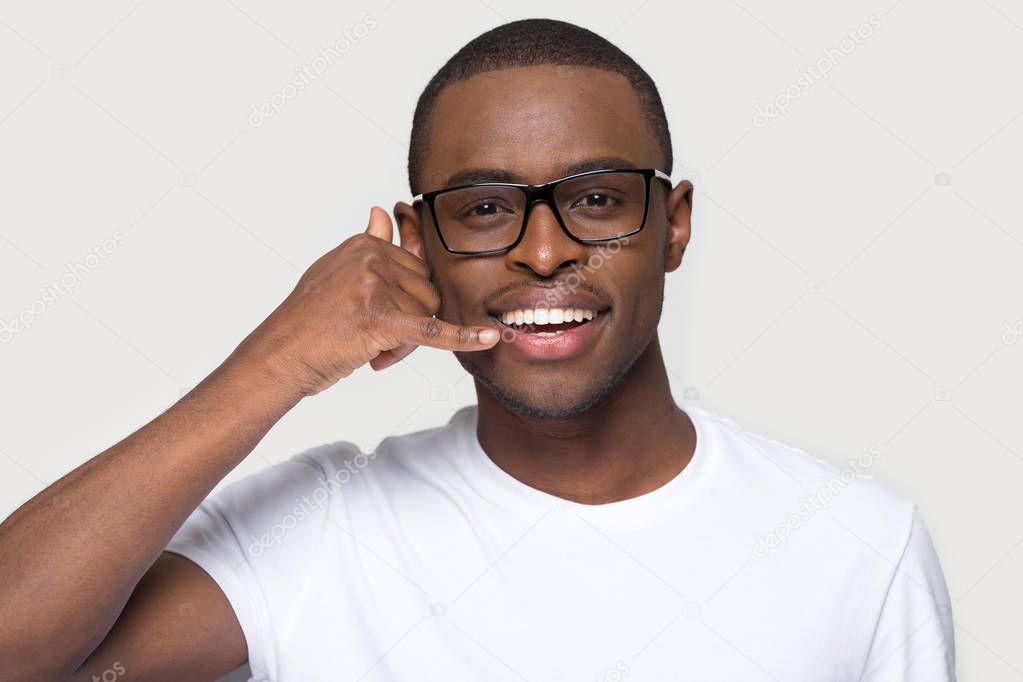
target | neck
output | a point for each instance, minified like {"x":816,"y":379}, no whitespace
{"x":632,"y":442}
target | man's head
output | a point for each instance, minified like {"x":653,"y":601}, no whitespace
{"x":530,"y":102}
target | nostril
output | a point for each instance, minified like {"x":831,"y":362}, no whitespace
{"x":545,"y":247}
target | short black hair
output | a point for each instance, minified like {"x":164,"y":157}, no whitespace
{"x":531,"y":42}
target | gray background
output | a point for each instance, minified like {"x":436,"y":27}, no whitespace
{"x":853,"y":280}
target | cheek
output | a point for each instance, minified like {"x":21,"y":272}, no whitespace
{"x":443,"y":274}
{"x":449,"y":303}
{"x":462,"y":285}
{"x":640,"y":287}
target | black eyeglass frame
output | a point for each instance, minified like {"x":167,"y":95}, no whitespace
{"x":545,"y":193}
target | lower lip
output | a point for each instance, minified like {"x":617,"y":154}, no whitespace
{"x":554,"y":347}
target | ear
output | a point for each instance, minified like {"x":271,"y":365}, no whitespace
{"x":410,"y":231}
{"x":679,"y":213}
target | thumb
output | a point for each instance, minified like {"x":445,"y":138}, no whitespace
{"x":380,"y":224}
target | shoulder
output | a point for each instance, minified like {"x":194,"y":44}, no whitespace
{"x":788,"y":487}
{"x":346,"y":480}
{"x":343,"y":467}
{"x":396,"y":460}
{"x":340,"y":481}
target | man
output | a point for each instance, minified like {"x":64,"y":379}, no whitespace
{"x":574,"y":524}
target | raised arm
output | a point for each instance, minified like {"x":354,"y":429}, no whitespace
{"x":81,"y":586}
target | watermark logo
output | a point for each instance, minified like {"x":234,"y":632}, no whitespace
{"x":74,"y":273}
{"x":308,"y":505}
{"x":315,"y":70}
{"x":110,"y":674}
{"x":614,"y":673}
{"x":569,"y":285}
{"x":1011,"y":332}
{"x":811,"y":74}
{"x":819,"y":500}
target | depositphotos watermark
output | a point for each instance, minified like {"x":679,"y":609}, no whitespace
{"x":811,"y":74}
{"x":55,"y":289}
{"x":818,"y":500}
{"x":314,"y":70}
{"x":309,"y":503}
{"x":615,"y":673}
{"x":1012,"y":332}
{"x":572,"y":282}
{"x":110,"y":674}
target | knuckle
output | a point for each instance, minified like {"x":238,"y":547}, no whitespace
{"x":358,"y":240}
{"x":373,"y":314}
{"x":369,"y":258}
{"x":430,"y":329}
{"x":375,"y":311}
{"x":367,"y":280}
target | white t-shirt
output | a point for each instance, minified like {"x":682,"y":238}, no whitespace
{"x":423,"y":560}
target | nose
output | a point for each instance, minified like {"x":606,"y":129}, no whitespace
{"x":545,"y":248}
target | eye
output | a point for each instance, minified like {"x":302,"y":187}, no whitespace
{"x":484,"y":208}
{"x":594,"y":200}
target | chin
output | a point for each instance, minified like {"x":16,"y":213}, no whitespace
{"x":528,"y":401}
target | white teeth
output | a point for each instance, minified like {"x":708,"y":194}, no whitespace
{"x":541,"y":316}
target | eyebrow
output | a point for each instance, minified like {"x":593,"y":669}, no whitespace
{"x":470,"y":176}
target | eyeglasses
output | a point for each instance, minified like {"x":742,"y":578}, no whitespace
{"x":491,"y":217}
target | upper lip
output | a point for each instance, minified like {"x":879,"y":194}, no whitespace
{"x":536,"y":297}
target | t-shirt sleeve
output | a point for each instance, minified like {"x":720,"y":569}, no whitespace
{"x":230,"y":533}
{"x":913,"y":641}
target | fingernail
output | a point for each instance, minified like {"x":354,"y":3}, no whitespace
{"x":489,"y":335}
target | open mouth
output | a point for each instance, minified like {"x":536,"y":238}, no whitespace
{"x":547,"y":321}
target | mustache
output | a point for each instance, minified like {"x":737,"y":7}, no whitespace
{"x":556,"y":289}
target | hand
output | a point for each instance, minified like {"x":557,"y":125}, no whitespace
{"x":366,"y":300}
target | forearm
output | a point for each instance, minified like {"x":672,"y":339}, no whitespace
{"x":71,"y":556}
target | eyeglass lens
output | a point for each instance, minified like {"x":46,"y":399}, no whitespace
{"x":598,"y":206}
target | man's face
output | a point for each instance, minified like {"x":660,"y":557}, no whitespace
{"x":532,"y":125}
